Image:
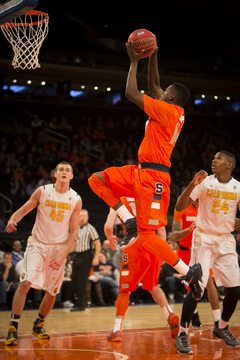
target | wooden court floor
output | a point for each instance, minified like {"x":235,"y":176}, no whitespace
{"x":82,"y":336}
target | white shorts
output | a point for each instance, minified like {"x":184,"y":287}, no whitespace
{"x":35,"y":267}
{"x":217,"y":253}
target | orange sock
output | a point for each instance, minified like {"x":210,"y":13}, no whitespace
{"x":102,"y":190}
{"x":122,"y":304}
{"x":159,"y":247}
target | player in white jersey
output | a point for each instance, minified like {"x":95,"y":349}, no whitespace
{"x":213,"y":245}
{"x":53,"y":236}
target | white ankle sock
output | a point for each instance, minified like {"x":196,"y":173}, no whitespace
{"x":181,"y":267}
{"x":123,"y":213}
{"x":118,"y":325}
{"x":217,"y":314}
{"x":167,"y":310}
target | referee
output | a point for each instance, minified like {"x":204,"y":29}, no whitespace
{"x":84,"y":259}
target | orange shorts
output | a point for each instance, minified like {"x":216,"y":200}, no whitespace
{"x":151,"y":191}
{"x":138,"y":265}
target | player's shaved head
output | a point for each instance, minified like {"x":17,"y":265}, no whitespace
{"x":182,"y":94}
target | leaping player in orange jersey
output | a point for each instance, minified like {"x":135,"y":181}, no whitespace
{"x":149,"y":182}
{"x":137,"y":265}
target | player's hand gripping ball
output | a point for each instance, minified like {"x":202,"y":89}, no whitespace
{"x":143,"y":40}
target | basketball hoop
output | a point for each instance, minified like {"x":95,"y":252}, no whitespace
{"x":26,"y":34}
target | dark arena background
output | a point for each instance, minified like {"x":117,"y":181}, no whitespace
{"x":73,"y":108}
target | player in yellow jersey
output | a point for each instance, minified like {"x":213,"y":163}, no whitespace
{"x":53,"y":236}
{"x":213,"y":245}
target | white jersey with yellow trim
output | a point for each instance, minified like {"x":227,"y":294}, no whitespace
{"x":218,"y":204}
{"x":53,"y":215}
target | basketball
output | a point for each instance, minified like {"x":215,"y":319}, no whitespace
{"x":143,"y":40}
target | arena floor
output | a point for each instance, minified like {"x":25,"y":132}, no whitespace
{"x":82,"y":335}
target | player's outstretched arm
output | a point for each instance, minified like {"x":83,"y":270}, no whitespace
{"x":161,"y":232}
{"x":153,"y":76}
{"x":177,"y":232}
{"x":184,"y":199}
{"x":23,"y":210}
{"x":131,"y":91}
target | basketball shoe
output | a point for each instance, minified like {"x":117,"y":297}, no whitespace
{"x":182,"y":345}
{"x":115,"y":336}
{"x":194,"y":280}
{"x":196,"y":323}
{"x":39,"y":331}
{"x":130,"y":231}
{"x":173,"y":321}
{"x":12,"y":338}
{"x":225,"y":335}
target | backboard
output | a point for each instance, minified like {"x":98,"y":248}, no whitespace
{"x":10,"y":9}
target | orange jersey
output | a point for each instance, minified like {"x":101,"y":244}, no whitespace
{"x":160,"y":139}
{"x":186,"y":217}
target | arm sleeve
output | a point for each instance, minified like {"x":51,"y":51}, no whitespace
{"x":178,"y":215}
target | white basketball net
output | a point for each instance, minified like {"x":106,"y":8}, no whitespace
{"x":26,"y":34}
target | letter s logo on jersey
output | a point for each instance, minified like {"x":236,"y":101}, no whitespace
{"x":125,"y":258}
{"x":159,"y":188}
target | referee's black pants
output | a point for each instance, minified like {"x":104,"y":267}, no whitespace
{"x":81,"y":268}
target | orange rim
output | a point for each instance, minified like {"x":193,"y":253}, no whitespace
{"x":31,"y":12}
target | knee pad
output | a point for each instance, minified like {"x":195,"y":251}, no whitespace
{"x":233,"y":291}
{"x":230,"y":302}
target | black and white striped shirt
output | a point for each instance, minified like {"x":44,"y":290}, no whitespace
{"x":85,"y":236}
